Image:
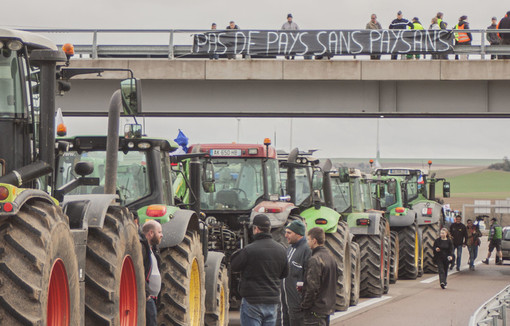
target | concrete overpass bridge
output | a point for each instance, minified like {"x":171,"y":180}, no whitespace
{"x":300,"y":88}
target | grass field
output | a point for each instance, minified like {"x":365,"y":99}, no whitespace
{"x":484,"y":184}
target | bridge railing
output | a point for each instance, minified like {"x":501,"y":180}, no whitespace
{"x":494,"y":311}
{"x":178,"y":43}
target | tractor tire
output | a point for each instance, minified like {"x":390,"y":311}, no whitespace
{"x":338,"y":244}
{"x":38,"y":267}
{"x":408,"y":252}
{"x":220,"y":317}
{"x":430,"y":234}
{"x":182,"y":283}
{"x":387,"y":263}
{"x":355,"y":273}
{"x":394,"y":257}
{"x":114,"y":273}
{"x":420,"y":252}
{"x":373,"y":261}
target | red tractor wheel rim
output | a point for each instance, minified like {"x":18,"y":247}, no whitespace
{"x":128,"y":294}
{"x":58,"y":296}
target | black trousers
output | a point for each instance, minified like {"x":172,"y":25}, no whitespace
{"x":442,"y":266}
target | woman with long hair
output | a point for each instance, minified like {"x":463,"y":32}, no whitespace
{"x":443,"y":254}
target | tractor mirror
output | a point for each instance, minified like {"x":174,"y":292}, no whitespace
{"x":208,"y":181}
{"x":392,"y":186}
{"x":317,"y":180}
{"x":131,"y":90}
{"x":446,"y":189}
{"x":133,"y":131}
{"x":84,"y":168}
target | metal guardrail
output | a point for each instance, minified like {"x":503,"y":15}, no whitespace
{"x":493,"y":311}
{"x":94,"y":49}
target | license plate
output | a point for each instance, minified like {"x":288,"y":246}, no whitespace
{"x":225,"y":152}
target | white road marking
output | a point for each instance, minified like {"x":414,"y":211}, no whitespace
{"x":359,"y":306}
{"x":435,"y":278}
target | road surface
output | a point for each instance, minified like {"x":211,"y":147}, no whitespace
{"x":423,"y":302}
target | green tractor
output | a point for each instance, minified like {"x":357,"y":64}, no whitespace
{"x":308,"y":184}
{"x":72,"y":261}
{"x":352,"y":197}
{"x":193,"y":281}
{"x":418,"y":217}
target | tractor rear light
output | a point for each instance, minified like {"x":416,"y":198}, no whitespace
{"x":427,"y":221}
{"x":156,"y":211}
{"x":15,"y":45}
{"x":400,"y":209}
{"x":7,"y":207}
{"x":253,"y":151}
{"x":363,"y":221}
{"x":273,"y":210}
{"x":321,"y":221}
{"x":429,"y":211}
{"x":144,"y":145}
{"x":4,"y":193}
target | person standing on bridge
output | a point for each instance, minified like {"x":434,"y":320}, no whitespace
{"x":504,"y":23}
{"x":151,"y":236}
{"x":400,"y":23}
{"x":289,"y":25}
{"x":232,"y":25}
{"x":495,"y":237}
{"x":262,"y":264}
{"x":473,"y":241}
{"x":319,"y":288}
{"x":493,"y":38}
{"x":462,"y":38}
{"x":374,"y":24}
{"x":459,"y":235}
{"x":298,"y":254}
{"x":443,"y":254}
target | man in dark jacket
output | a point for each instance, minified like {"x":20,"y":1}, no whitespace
{"x":459,"y":235}
{"x":400,"y":23}
{"x":262,"y":264}
{"x":150,"y":238}
{"x":298,"y":254}
{"x":504,"y":23}
{"x":319,"y":289}
{"x":493,"y":38}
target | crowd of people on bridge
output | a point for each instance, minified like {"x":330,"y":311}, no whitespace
{"x":437,"y":22}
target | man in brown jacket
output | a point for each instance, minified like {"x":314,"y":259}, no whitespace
{"x":319,"y":288}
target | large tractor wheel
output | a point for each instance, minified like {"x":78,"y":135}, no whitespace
{"x":387,"y":263}
{"x":338,"y":244}
{"x":220,"y":316}
{"x":114,"y":273}
{"x":372,"y":249}
{"x":183,"y":283}
{"x":394,"y":257}
{"x":409,"y":252}
{"x":38,"y":268}
{"x":430,"y":234}
{"x":420,"y":252}
{"x":355,"y":273}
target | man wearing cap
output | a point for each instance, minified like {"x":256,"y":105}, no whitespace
{"x":495,"y":236}
{"x":262,"y":264}
{"x":400,"y":23}
{"x":298,"y":254}
{"x":493,"y":38}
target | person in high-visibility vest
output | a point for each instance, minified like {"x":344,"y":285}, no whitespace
{"x":504,"y":23}
{"x":462,"y":38}
{"x":416,"y":26}
{"x":495,"y":237}
{"x":440,"y":22}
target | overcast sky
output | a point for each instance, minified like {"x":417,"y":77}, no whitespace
{"x":425,"y":138}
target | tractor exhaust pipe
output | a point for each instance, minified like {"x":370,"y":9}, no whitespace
{"x":27,"y":173}
{"x":112,"y":143}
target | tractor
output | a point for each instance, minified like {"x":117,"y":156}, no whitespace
{"x":308,"y":184}
{"x":65,"y":259}
{"x":417,"y":216}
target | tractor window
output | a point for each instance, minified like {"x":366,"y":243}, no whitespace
{"x":11,"y":93}
{"x":356,"y":193}
{"x":303,"y":187}
{"x":412,"y":188}
{"x":273,"y":177}
{"x":341,"y":195}
{"x":239,"y":183}
{"x":367,"y":195}
{"x":132,"y":177}
{"x":166,"y":179}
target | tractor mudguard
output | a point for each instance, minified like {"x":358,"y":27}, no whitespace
{"x":406,"y":219}
{"x":87,"y":211}
{"x":18,"y":196}
{"x":278,"y":212}
{"x":324,"y":217}
{"x":212,"y":270}
{"x":175,"y":229}
{"x":364,"y":223}
{"x":428,"y":212}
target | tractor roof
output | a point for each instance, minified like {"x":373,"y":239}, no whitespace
{"x":31,"y":39}
{"x":98,"y":143}
{"x":233,"y":150}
